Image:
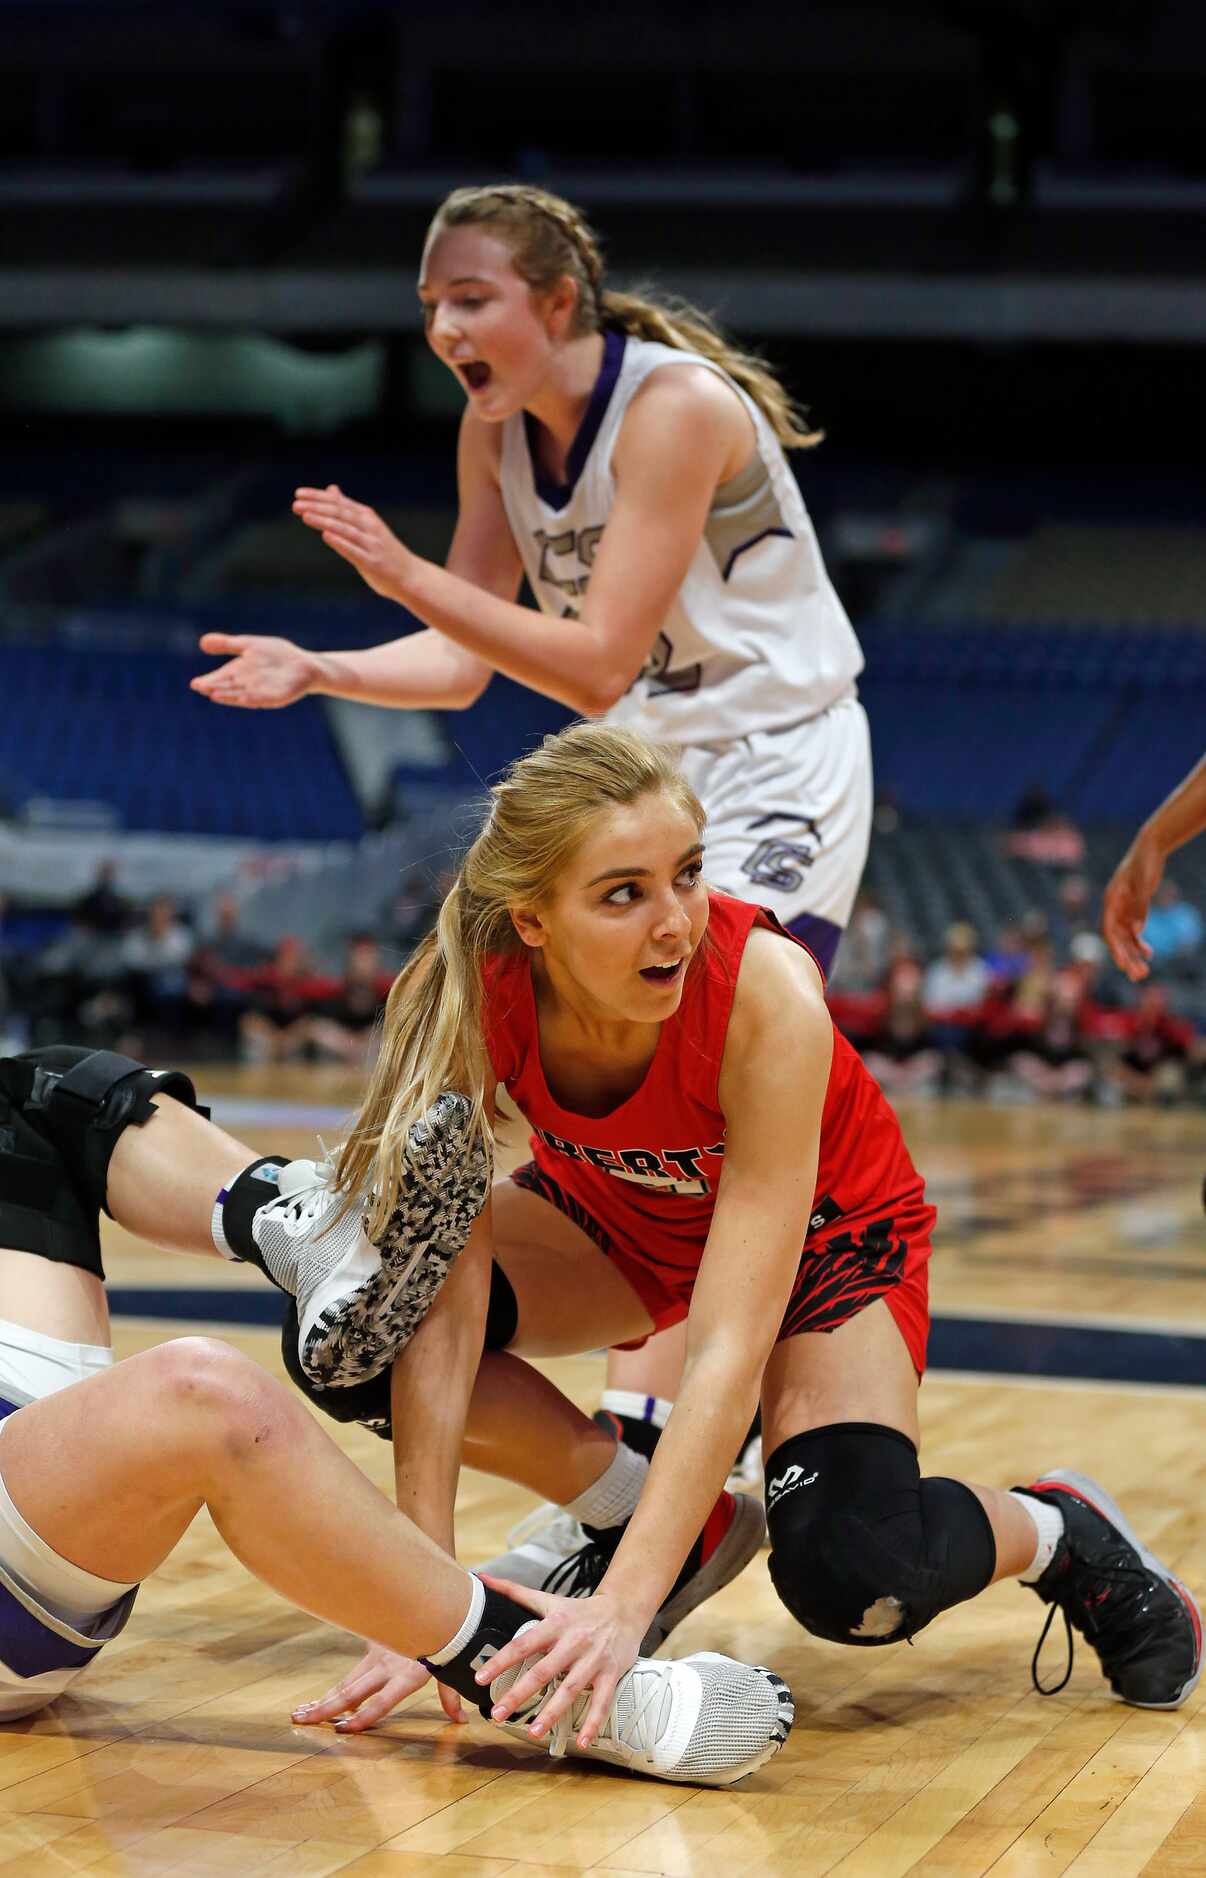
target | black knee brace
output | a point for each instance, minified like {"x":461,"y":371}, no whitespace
{"x":81,"y":1100}
{"x":863,"y":1549}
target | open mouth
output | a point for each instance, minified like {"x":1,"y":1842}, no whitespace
{"x":663,"y":974}
{"x":476,"y":375}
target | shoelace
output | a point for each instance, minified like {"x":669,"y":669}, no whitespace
{"x":1096,"y":1624}
{"x":303,"y":1208}
{"x":579,"y":1575}
{"x":632,"y":1736}
{"x":303,"y":1205}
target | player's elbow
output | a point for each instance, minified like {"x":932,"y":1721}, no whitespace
{"x":600,"y":687}
{"x":469,"y":692}
{"x":470,"y":678}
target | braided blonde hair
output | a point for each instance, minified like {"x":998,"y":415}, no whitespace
{"x":432,"y":1036}
{"x":550,"y":239}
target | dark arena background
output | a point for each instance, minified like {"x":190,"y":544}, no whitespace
{"x":972,"y":239}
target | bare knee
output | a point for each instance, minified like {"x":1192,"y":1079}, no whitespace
{"x":218,"y":1403}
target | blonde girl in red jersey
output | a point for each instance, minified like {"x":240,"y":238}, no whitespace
{"x":705,"y":1146}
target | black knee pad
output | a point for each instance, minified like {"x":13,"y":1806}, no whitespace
{"x":367,"y":1403}
{"x":81,"y":1100}
{"x":41,"y":1208}
{"x":502,"y":1312}
{"x":864,"y":1550}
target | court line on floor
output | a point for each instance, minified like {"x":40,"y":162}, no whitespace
{"x":990,"y":1346}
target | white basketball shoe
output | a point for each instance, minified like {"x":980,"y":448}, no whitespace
{"x":548,"y":1560}
{"x":704,"y":1720}
{"x":358,"y":1302}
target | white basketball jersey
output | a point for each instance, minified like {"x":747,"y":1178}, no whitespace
{"x":756,"y":638}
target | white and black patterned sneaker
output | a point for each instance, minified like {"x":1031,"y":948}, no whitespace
{"x":1142,"y":1621}
{"x":358,"y":1303}
{"x":704,"y":1720}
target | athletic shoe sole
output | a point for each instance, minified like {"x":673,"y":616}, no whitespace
{"x":740,"y":1544}
{"x":1095,"y":1496}
{"x":354,"y":1335}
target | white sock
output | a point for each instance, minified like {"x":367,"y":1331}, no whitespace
{"x":220,"y":1241}
{"x":613,"y":1497}
{"x":1049,"y":1522}
{"x":639,"y":1408}
{"x":473,"y":1618}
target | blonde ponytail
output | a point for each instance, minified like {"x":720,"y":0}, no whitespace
{"x":549,"y":239}
{"x":432,"y":1033}
{"x":673,"y":322}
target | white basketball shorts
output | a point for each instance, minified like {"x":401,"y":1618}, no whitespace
{"x":55,"y":1617}
{"x":789,"y":819}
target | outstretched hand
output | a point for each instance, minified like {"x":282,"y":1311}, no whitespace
{"x":358,"y":534}
{"x":380,"y":1681}
{"x":260,"y":673}
{"x":589,"y":1643}
{"x":1125,"y":908}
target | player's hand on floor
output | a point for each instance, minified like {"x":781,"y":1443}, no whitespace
{"x":380,"y":1681}
{"x":1125,"y":907}
{"x":588,"y":1642}
{"x":260,"y":673}
{"x":358,"y":534}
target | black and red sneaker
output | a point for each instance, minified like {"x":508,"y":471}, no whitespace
{"x":732,"y":1534}
{"x":1142,"y":1622}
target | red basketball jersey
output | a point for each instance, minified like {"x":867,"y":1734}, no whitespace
{"x":649,"y":1170}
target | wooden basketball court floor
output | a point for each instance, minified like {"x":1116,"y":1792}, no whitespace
{"x":1069,"y":1287}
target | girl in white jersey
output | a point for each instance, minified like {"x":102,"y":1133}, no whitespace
{"x":630,"y":461}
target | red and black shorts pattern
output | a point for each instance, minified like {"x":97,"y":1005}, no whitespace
{"x":847,"y":1269}
{"x":842,"y":1269}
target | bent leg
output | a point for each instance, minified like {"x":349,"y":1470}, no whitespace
{"x":565,"y":1296}
{"x":110,"y":1473}
{"x":866,"y":1550}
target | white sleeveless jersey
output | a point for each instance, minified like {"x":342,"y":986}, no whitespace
{"x":756,"y":638}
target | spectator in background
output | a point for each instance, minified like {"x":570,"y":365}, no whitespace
{"x":1075,"y":914}
{"x":155,"y":956}
{"x":1055,"y":1063}
{"x":226,"y":946}
{"x":1009,"y":956}
{"x":958,"y":981}
{"x":102,"y":910}
{"x":1087,"y":959}
{"x":218,"y":977}
{"x":1033,"y":806}
{"x":953,"y":992}
{"x":904,"y":962}
{"x":1156,"y":1051}
{"x":275,"y":1028}
{"x":901,"y":1054}
{"x":1172,"y":931}
{"x":342,"y":1027}
{"x":1043,"y":832}
{"x":862,"y":962}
